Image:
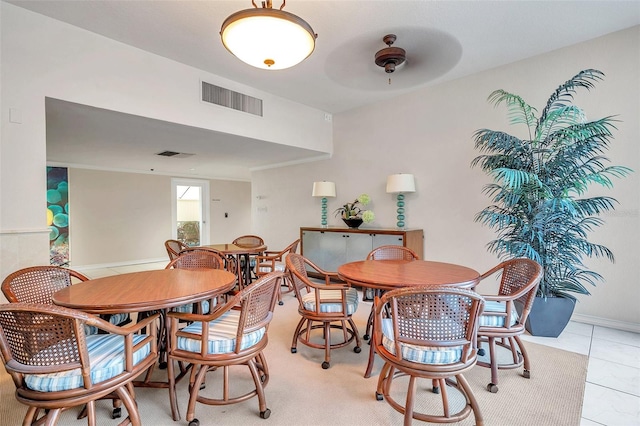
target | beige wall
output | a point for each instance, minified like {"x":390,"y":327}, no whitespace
{"x":121,"y":218}
{"x":429,"y":133}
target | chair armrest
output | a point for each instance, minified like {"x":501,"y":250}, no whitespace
{"x":124,"y":330}
{"x":218,"y":311}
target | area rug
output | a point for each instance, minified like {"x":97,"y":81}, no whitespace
{"x":300,"y":392}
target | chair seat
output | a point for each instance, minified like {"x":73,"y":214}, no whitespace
{"x":309,"y":301}
{"x":496,"y":320}
{"x":222,"y":335}
{"x":106,"y":355}
{"x":278,"y":267}
{"x":419,"y":354}
{"x":115,"y":319}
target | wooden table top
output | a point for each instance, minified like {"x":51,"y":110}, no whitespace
{"x":391,"y":274}
{"x":145,"y":291}
{"x":236,"y":249}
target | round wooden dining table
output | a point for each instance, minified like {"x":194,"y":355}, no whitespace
{"x":155,"y":290}
{"x":385,"y":275}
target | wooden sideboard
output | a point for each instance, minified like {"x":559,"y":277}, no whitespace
{"x":331,"y":247}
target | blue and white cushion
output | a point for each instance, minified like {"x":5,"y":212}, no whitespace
{"x":113,"y":319}
{"x":496,"y":320}
{"x":222,"y":335}
{"x":309,"y":301}
{"x":188,"y":308}
{"x":419,"y":354}
{"x":106,"y":358}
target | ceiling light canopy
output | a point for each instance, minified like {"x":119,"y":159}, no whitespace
{"x":267,"y":38}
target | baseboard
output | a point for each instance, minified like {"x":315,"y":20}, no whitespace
{"x":605,"y":322}
{"x":81,"y":268}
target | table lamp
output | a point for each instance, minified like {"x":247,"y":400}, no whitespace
{"x":324,"y":189}
{"x":399,"y":184}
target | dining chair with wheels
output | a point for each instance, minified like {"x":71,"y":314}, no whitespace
{"x":426,"y":332}
{"x":500,"y":325}
{"x":325,"y":306}
{"x":174,"y":247}
{"x":249,"y":241}
{"x":55,"y":365}
{"x":234,"y":334}
{"x":37,"y":284}
{"x":387,"y":252}
{"x":274,"y":261}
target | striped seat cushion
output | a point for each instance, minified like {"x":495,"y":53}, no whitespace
{"x":106,"y":358}
{"x":222,"y":335}
{"x":188,"y":308}
{"x":419,"y":354}
{"x":113,"y":319}
{"x":279,"y":267}
{"x":309,"y":301}
{"x":495,"y":320}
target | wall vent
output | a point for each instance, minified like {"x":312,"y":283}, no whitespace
{"x":174,"y":154}
{"x":230,"y":99}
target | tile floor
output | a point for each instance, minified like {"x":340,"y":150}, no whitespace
{"x":612,"y":390}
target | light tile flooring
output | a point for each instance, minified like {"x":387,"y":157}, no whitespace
{"x":612,"y":390}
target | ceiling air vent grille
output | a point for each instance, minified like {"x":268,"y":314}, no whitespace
{"x":230,"y":99}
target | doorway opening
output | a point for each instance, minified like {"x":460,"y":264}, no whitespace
{"x":190,"y":211}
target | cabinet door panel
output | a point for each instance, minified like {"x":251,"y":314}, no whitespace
{"x":334,"y":245}
{"x":358,"y":247}
{"x":387,"y":240}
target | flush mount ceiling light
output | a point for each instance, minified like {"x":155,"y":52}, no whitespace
{"x":267,"y":38}
{"x":390,"y":57}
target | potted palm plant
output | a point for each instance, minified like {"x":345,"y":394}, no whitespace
{"x":540,"y":207}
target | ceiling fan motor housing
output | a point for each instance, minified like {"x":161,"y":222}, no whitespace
{"x":390,"y":57}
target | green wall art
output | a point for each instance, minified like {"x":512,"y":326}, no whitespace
{"x":58,"y":215}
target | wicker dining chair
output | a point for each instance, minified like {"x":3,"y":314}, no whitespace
{"x":274,"y":261}
{"x":249,"y":241}
{"x":323,"y":306}
{"x":500,"y":325}
{"x":234,"y":334}
{"x":174,"y":247}
{"x":55,"y":365}
{"x":428,"y":333}
{"x":388,"y":252}
{"x":37,"y":284}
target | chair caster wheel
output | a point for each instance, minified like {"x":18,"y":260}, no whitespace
{"x":357,"y":349}
{"x":379,"y":396}
{"x":526,"y":374}
{"x":492,"y":388}
{"x":435,"y":390}
{"x":281,"y":303}
{"x":294,"y":350}
{"x":366,"y":337}
{"x":481,"y":352}
{"x":194,"y":422}
{"x":325,"y":365}
{"x":162,"y":366}
{"x":117,"y":413}
{"x":265,"y":414}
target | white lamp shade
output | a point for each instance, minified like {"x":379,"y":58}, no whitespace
{"x":401,"y":182}
{"x":324,"y":189}
{"x":267,"y":38}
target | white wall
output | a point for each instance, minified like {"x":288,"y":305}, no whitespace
{"x":430,"y":133}
{"x":120,"y":218}
{"x":42,"y":57}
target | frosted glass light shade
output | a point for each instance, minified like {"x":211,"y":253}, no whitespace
{"x":267,"y":38}
{"x":324,"y":189}
{"x":401,"y":182}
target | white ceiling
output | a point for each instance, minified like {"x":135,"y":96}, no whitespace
{"x":444,"y":40}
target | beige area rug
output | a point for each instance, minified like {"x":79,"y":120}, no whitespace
{"x":300,"y":392}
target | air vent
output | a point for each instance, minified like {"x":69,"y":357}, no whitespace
{"x":174,"y":154}
{"x":167,"y":153}
{"x":230,"y":99}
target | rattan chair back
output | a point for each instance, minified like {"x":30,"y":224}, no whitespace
{"x":37,"y":284}
{"x":174,"y":247}
{"x":392,"y":253}
{"x":249,"y":241}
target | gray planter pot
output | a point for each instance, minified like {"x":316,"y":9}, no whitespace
{"x":548,"y":317}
